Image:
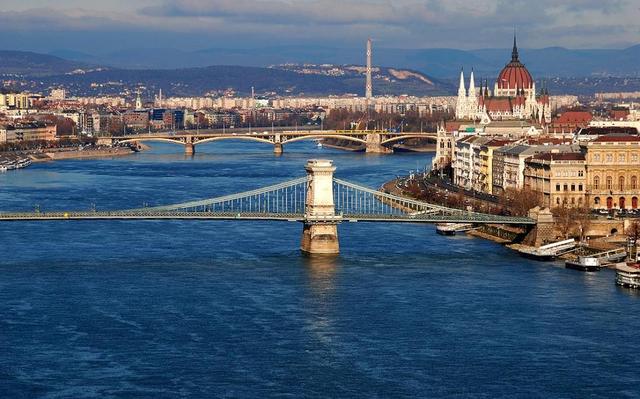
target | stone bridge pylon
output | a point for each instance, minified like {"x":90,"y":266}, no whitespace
{"x":320,"y":231}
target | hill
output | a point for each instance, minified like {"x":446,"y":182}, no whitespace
{"x":207,"y":80}
{"x":436,"y":62}
{"x":26,"y":63}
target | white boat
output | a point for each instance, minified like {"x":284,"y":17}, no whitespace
{"x":584,"y":263}
{"x":450,"y":229}
{"x":549,"y":251}
{"x":628,"y":274}
{"x":23,"y":163}
{"x":3,"y":169}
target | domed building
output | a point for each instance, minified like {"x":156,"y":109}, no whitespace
{"x":513,"y":96}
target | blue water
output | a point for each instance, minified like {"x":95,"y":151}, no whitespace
{"x":209,"y":309}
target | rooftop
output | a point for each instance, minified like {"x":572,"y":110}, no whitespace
{"x":617,"y":138}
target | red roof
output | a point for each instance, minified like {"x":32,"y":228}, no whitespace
{"x":497,"y":104}
{"x":515,"y":76}
{"x":615,"y":138}
{"x":562,"y":156}
{"x":574,"y":117}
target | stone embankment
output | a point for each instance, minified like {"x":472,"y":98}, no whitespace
{"x":81,"y":154}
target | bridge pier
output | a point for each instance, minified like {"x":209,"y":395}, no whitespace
{"x":189,"y":149}
{"x":320,"y":231}
{"x":278,"y":149}
{"x":374,"y":145}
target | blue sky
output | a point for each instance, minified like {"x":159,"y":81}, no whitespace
{"x":108,"y":25}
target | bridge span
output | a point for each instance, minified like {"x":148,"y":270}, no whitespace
{"x":375,"y":141}
{"x":318,"y":200}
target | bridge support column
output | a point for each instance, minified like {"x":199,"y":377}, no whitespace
{"x":544,"y":231}
{"x":189,"y":149}
{"x":278,"y":149}
{"x":320,"y":231}
{"x":374,"y":145}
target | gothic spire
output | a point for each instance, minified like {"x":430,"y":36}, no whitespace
{"x":514,"y":53}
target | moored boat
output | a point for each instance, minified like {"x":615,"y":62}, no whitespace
{"x":584,"y":263}
{"x":628,"y":275}
{"x":451,"y":229}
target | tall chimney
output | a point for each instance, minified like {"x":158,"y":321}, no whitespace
{"x":369,"y":87}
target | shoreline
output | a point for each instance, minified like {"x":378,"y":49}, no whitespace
{"x":64,"y":154}
{"x":391,"y":188}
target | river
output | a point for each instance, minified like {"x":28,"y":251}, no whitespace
{"x":166,"y":309}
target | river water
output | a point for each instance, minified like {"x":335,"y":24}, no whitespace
{"x":165,"y":309}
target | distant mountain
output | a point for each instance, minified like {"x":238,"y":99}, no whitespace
{"x":440,"y":63}
{"x":200,"y":81}
{"x":34,"y":64}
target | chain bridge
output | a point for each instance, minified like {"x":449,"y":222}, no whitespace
{"x":375,"y":141}
{"x":318,"y":200}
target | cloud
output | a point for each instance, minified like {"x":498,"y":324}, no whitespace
{"x":326,"y":12}
{"x":393,"y":23}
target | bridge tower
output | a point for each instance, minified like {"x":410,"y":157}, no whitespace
{"x":320,"y":231}
{"x":189,"y":147}
{"x":374,"y":144}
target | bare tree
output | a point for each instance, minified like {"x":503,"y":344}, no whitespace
{"x":633,"y":231}
{"x":519,"y":201}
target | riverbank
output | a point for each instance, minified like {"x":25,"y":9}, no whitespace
{"x":83,"y":154}
{"x":57,"y":154}
{"x":603,"y":233}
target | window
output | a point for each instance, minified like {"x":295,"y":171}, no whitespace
{"x":581,"y":173}
{"x":596,"y":200}
{"x":573,"y":187}
{"x":579,"y":187}
{"x":621,"y":183}
{"x":557,"y":200}
{"x":596,"y":182}
{"x":634,"y":157}
{"x":566,"y":187}
{"x":634,"y":182}
{"x":609,"y":182}
{"x":609,"y":158}
{"x":621,"y":158}
{"x":596,"y":157}
{"x":557,"y":187}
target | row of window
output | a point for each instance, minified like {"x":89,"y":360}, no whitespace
{"x":572,"y":173}
{"x":621,"y":157}
{"x":622,"y":202}
{"x":565,"y":201}
{"x":621,"y":183}
{"x":566,"y":187}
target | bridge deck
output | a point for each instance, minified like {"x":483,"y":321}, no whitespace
{"x":291,"y":217}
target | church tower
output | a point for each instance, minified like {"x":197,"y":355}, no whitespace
{"x":461,"y":103}
{"x":472,"y":99}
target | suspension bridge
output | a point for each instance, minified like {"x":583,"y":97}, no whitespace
{"x":318,"y":200}
{"x":375,"y":141}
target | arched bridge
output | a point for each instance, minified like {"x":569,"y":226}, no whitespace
{"x":375,"y":141}
{"x":318,"y":200}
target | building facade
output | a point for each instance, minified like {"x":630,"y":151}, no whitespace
{"x":560,"y":178}
{"x":613,"y":170}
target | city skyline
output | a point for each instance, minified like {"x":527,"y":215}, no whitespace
{"x":196,"y":24}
